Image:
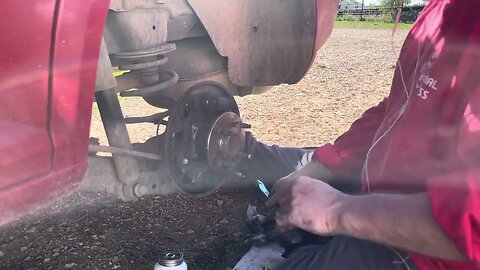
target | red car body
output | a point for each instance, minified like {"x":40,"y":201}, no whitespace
{"x":48,"y":62}
{"x":48,"y":68}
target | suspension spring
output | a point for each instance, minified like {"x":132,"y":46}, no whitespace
{"x":148,"y":63}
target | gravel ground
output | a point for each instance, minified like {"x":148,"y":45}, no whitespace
{"x":96,"y":231}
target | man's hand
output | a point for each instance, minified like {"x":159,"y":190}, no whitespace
{"x":403,"y":221}
{"x":312,"y":169}
{"x":306,"y":203}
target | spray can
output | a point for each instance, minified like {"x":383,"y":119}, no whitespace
{"x":171,"y":260}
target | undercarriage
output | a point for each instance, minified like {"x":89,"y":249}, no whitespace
{"x":188,"y":59}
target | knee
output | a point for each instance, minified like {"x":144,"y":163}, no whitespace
{"x":305,"y":258}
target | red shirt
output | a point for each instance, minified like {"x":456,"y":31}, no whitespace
{"x":425,"y":137}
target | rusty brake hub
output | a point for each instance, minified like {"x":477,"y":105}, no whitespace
{"x":205,"y":139}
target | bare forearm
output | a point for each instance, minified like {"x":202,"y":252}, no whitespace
{"x":317,"y":170}
{"x":402,"y":221}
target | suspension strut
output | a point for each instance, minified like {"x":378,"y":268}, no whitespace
{"x":154,"y":79}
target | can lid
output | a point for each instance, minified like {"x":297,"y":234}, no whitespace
{"x":171,"y":258}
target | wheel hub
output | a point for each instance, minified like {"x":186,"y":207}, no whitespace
{"x":205,"y":139}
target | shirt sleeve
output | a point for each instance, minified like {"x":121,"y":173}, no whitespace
{"x":455,"y":202}
{"x":346,"y":156}
{"x":455,"y":197}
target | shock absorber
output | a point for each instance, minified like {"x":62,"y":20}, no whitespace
{"x":148,"y":63}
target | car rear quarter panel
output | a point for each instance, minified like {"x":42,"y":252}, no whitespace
{"x":25,"y":147}
{"x":59,"y":100}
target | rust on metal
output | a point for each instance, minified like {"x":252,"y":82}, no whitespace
{"x":267,"y":42}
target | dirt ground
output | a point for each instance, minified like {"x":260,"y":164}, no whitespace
{"x":96,"y":231}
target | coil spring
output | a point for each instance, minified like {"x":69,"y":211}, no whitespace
{"x":148,"y":63}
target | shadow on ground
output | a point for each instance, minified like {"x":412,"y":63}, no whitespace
{"x":97,"y":231}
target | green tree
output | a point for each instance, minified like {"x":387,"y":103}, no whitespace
{"x":391,"y":7}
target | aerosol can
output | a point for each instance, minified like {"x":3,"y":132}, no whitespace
{"x":171,"y":260}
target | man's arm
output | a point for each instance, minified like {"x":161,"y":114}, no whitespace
{"x":442,"y":222}
{"x":313,"y":169}
{"x":402,"y":221}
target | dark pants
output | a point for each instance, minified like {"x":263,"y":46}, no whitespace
{"x":346,"y":253}
{"x":269,"y":164}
